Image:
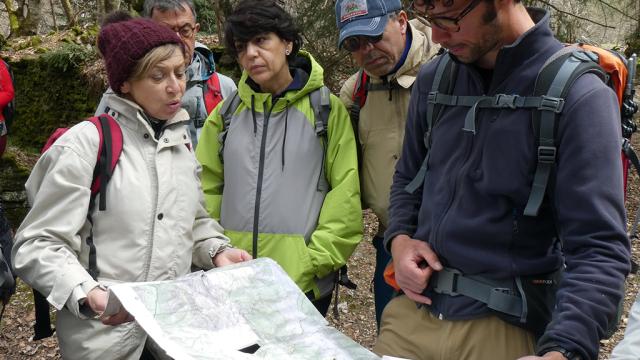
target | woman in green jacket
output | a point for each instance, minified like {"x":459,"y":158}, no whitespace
{"x":281,"y":185}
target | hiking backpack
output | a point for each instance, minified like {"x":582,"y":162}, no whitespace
{"x":109,"y":151}
{"x":553,"y":83}
{"x":7,"y":277}
{"x":9,"y":111}
{"x":212,"y":93}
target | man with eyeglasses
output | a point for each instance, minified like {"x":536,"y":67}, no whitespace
{"x":482,"y":277}
{"x":205,"y":86}
{"x":389,"y":50}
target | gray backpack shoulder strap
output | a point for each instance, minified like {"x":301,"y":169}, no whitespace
{"x":321,"y":104}
{"x":229,"y":107}
{"x":443,"y":82}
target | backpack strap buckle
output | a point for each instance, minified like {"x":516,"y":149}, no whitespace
{"x":505,"y":101}
{"x":447,"y":282}
{"x":547,"y":154}
{"x":549,"y":103}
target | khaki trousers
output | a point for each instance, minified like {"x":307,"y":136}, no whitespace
{"x":412,"y":333}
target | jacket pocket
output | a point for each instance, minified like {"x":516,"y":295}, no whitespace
{"x":288,"y":250}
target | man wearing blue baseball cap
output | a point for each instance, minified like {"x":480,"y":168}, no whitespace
{"x":389,"y":50}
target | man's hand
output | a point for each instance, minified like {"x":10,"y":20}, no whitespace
{"x":551,"y":355}
{"x":409,"y":256}
{"x":230,"y":256}
{"x":97,"y":300}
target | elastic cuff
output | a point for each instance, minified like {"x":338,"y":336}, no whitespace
{"x":388,"y":238}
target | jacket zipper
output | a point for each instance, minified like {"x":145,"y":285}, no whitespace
{"x":256,"y":210}
{"x":154,"y":215}
{"x":437,"y":233}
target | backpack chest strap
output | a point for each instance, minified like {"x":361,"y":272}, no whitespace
{"x":499,"y":101}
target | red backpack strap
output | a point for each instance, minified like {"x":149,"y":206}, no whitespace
{"x":52,"y":138}
{"x":360,"y":88}
{"x":109,"y":152}
{"x":212,"y":94}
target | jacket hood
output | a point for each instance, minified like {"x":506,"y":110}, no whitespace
{"x":202,"y":65}
{"x":303,"y":61}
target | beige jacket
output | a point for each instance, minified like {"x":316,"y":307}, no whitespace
{"x":154,"y":228}
{"x":382,"y":122}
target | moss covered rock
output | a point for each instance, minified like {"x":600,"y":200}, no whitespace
{"x":50,"y":93}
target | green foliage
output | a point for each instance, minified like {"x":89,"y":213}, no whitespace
{"x":50,"y":93}
{"x":316,"y":19}
{"x":70,"y":55}
{"x":633,"y":43}
{"x":206,"y":15}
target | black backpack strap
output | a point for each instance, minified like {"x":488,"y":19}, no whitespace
{"x":443,"y":83}
{"x":359,"y":92}
{"x":627,"y":149}
{"x":42,"y":328}
{"x":321,"y":105}
{"x":553,"y":82}
{"x":229,"y":107}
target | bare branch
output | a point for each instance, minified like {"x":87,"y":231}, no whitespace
{"x":574,"y":15}
{"x":617,"y":10}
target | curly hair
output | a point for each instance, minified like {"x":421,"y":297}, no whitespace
{"x":254,"y":17}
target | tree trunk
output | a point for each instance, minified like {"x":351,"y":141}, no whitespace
{"x":68,"y":12}
{"x":220,"y":16}
{"x":30,"y":24}
{"x":14,"y":24}
{"x":111,"y":5}
{"x":53,"y":14}
{"x":100,"y":11}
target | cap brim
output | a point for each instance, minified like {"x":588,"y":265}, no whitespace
{"x":364,"y":27}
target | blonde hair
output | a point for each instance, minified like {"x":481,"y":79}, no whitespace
{"x":153,"y":58}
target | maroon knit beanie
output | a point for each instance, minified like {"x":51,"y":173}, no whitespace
{"x":124,"y":40}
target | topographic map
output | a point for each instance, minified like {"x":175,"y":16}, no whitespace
{"x":248,"y":306}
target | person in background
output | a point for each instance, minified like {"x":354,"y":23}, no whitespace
{"x":629,"y":347}
{"x":389,"y":50}
{"x":481,"y":277}
{"x":281,"y":184}
{"x":155,"y":226}
{"x":6,"y":96}
{"x":205,"y":86}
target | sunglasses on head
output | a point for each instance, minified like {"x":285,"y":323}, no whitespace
{"x":355,"y":43}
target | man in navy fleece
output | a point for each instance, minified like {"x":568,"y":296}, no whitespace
{"x":492,"y":280}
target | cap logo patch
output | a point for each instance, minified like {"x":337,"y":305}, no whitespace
{"x":352,"y":8}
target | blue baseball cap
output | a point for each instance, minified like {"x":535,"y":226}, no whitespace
{"x":363,"y":17}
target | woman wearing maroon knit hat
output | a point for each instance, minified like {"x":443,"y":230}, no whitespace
{"x":154,"y":227}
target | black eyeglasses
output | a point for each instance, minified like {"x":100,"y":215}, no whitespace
{"x":186,"y":31}
{"x":450,"y":24}
{"x":355,"y":43}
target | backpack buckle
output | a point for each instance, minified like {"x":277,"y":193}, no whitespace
{"x":549,"y":103}
{"x":547,"y":154}
{"x":505,"y":101}
{"x":447,"y":282}
{"x":431,"y":98}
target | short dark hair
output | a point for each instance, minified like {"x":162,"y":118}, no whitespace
{"x":166,"y":5}
{"x":254,"y":17}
